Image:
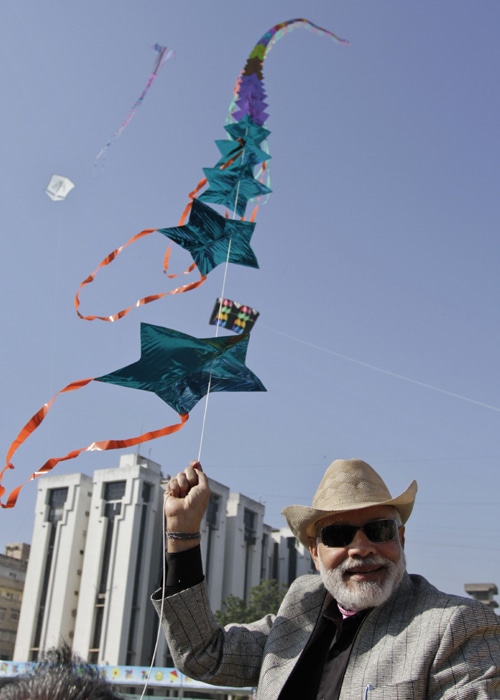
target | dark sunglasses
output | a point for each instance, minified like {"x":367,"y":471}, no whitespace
{"x":341,"y":534}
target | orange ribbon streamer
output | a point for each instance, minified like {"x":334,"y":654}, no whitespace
{"x":146,"y":232}
{"x":140,"y":302}
{"x":102,"y":445}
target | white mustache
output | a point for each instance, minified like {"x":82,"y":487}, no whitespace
{"x":351,"y":564}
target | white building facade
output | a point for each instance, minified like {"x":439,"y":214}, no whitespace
{"x":290,"y":558}
{"x":242,"y":561}
{"x":52,"y":585}
{"x":115,"y":621}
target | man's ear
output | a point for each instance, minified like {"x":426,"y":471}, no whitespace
{"x":313,"y":549}
{"x":402,"y":536}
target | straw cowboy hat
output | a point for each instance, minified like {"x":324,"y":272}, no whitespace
{"x":348,"y":484}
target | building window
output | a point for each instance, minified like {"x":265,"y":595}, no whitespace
{"x":250,"y":537}
{"x":292,"y":559}
{"x":212,"y":519}
{"x":134,"y":645}
{"x":146,"y":492}
{"x":249,"y":518}
{"x":263,"y":557}
{"x":7,"y":636}
{"x":275,"y":562}
{"x":56,"y":498}
{"x":113,"y":492}
{"x":212,"y":522}
{"x":14,"y":615}
{"x":2,"y":613}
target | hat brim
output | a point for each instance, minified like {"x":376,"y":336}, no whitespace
{"x":301,"y":519}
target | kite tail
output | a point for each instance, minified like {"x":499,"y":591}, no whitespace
{"x":163,"y":55}
{"x":140,"y":302}
{"x":36,"y":420}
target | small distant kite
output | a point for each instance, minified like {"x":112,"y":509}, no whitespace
{"x":163,"y":55}
{"x":233,"y":316}
{"x":59,"y":187}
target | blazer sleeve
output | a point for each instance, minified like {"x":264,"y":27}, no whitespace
{"x":203,"y":650}
{"x":467,"y":662}
{"x":425,"y":645}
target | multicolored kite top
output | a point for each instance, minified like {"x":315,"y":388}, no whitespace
{"x":235,"y":180}
{"x":249,"y":90}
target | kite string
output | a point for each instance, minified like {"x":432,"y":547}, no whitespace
{"x":223,"y":291}
{"x":222,"y":296}
{"x":389,"y":373}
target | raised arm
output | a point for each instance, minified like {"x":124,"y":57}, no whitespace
{"x":186,"y":500}
{"x":199,"y":647}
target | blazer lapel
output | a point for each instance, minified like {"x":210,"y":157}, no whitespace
{"x":289,"y":637}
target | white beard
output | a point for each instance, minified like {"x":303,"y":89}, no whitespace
{"x":359,"y":595}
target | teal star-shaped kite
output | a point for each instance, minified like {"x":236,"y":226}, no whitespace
{"x":244,"y":146}
{"x":208,"y":235}
{"x":232,"y":188}
{"x":180,"y":368}
{"x":247,"y":130}
{"x":234,"y":154}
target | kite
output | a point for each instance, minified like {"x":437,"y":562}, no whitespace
{"x":177,"y":367}
{"x":233,"y":316}
{"x":236,"y":179}
{"x":181,"y":369}
{"x":246,"y":138}
{"x":163,"y":55}
{"x":59,"y":187}
{"x":232,"y":187}
{"x":213,"y":239}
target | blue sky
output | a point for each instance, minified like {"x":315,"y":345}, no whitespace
{"x":378,"y":249}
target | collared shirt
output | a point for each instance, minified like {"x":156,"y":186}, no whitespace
{"x":319,"y":672}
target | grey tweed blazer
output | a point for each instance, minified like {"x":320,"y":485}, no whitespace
{"x":420,"y":645}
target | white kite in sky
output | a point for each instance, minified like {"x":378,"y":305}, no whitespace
{"x":59,"y":187}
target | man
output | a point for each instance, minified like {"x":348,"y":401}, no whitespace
{"x":364,"y":628}
{"x":59,"y":676}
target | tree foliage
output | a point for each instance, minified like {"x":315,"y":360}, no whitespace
{"x":262,"y":600}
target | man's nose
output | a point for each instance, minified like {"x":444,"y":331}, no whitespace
{"x":361,"y":545}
